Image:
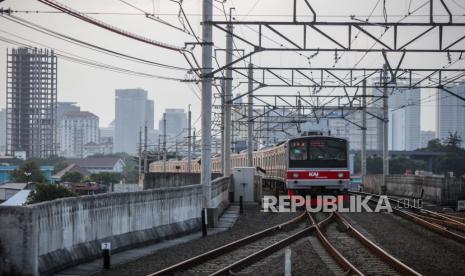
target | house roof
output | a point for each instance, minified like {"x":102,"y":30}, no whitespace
{"x":71,"y":168}
{"x":13,"y":186}
{"x":96,"y":162}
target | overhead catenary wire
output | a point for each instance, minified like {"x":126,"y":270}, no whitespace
{"x":88,"y":45}
{"x":77,"y":59}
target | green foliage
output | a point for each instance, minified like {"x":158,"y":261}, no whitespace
{"x":397,"y":165}
{"x":46,"y":192}
{"x":74,"y":177}
{"x":105,"y":177}
{"x":28,"y":167}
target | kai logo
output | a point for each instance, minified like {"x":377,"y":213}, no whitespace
{"x":313,"y":174}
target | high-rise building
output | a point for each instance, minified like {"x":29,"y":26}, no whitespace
{"x":176,"y":122}
{"x":347,"y":128}
{"x":79,"y":129}
{"x":31,"y":102}
{"x":2,"y":131}
{"x":132,"y":112}
{"x":107,"y":134}
{"x":404,"y":119}
{"x":176,"y":129}
{"x":450,"y":113}
{"x":425,"y":137}
{"x":62,"y":109}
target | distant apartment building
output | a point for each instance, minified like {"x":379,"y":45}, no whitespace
{"x":404,"y":119}
{"x":425,"y":137}
{"x":31,"y":96}
{"x":79,"y":128}
{"x":93,"y":148}
{"x":107,"y":134}
{"x":62,"y":109}
{"x":450,"y":113}
{"x":132,"y":112}
{"x":176,"y":128}
{"x":349,"y":129}
{"x":2,"y":131}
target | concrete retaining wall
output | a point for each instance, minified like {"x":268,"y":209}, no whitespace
{"x":436,"y":189}
{"x":163,"y":180}
{"x":46,"y":237}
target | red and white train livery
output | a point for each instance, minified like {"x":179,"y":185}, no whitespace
{"x":301,"y":164}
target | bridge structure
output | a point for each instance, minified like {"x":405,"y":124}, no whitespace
{"x":46,"y":237}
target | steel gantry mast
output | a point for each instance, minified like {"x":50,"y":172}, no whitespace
{"x":302,"y":36}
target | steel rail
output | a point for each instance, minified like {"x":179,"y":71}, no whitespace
{"x":194,"y":261}
{"x":231,"y":269}
{"x":378,"y":251}
{"x":426,"y":224}
{"x":345,"y":264}
{"x":446,"y":223}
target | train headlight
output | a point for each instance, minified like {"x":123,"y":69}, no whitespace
{"x":295,"y":175}
{"x":340,"y":175}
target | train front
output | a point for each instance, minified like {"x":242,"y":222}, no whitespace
{"x":317,"y":164}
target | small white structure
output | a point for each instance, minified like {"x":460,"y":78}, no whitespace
{"x":10,"y":189}
{"x":18,"y":199}
{"x":244,"y":184}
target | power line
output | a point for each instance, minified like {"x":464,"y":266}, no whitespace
{"x":87,"y":45}
{"x":77,"y":59}
{"x":108,"y":27}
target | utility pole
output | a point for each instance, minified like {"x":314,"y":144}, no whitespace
{"x":249,"y":118}
{"x":385,"y":129}
{"x":145,"y":148}
{"x":194,"y":150}
{"x":222,"y":127}
{"x":364,"y":130}
{"x":140,"y":152}
{"x":189,"y":154}
{"x":164,"y":143}
{"x":227,"y":100}
{"x":207,"y":47}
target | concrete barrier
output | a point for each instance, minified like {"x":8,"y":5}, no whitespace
{"x":436,"y":189}
{"x":47,"y":237}
{"x":163,"y":180}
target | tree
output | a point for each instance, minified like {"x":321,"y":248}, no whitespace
{"x":453,"y":140}
{"x":73,"y":177}
{"x":105,"y":177}
{"x":28,"y":171}
{"x":46,"y":192}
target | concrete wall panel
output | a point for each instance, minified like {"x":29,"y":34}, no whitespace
{"x":46,"y":237}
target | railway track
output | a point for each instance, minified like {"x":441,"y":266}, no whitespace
{"x":234,"y":256}
{"x":353,"y":252}
{"x":363,"y":256}
{"x":448,"y":226}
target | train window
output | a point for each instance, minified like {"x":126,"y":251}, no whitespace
{"x":298,"y":150}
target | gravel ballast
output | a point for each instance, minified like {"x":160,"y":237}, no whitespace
{"x":425,"y":251}
{"x":251,"y":221}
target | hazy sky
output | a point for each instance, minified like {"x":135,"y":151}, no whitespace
{"x":93,"y":89}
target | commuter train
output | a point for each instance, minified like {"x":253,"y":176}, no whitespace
{"x":300,"y":165}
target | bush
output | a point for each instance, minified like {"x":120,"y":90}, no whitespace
{"x":46,"y":192}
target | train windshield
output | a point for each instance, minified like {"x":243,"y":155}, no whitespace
{"x":318,"y":153}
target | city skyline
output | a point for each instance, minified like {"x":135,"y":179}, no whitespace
{"x":100,"y":84}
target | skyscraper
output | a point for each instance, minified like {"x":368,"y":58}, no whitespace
{"x":404,"y":119}
{"x":132,"y":111}
{"x":450,"y":113}
{"x":31,"y":102}
{"x":176,"y":121}
{"x":78,"y":129}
